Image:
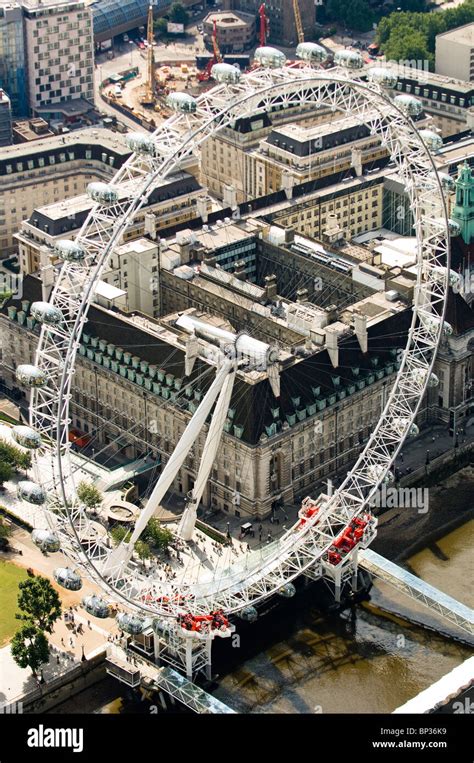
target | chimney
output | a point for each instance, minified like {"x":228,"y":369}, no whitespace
{"x":270,"y":288}
{"x":287,"y":183}
{"x":356,"y":161}
{"x":360,"y":327}
{"x":239,"y":270}
{"x":201,"y":207}
{"x":230,"y":197}
{"x":331,"y":345}
{"x":150,"y":225}
{"x":301,"y":295}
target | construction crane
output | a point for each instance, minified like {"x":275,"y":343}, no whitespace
{"x":217,"y":58}
{"x":263,"y":26}
{"x":148,"y":98}
{"x":298,"y":23}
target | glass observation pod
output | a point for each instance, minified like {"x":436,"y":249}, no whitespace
{"x":30,"y":376}
{"x":103,"y":193}
{"x":130,"y":623}
{"x":382,"y":76}
{"x":401,"y":424}
{"x":46,"y":540}
{"x":43,"y":312}
{"x":409,"y":105}
{"x":69,"y":250}
{"x":181,"y":102}
{"x":349,"y":59}
{"x":287,"y":591}
{"x":433,"y":322}
{"x":310,"y":51}
{"x":225,"y":73}
{"x":375,"y":472}
{"x":447,"y":182}
{"x":271,"y":58}
{"x":419,"y":376}
{"x":96,"y":606}
{"x":249,"y":614}
{"x":67,"y":578}
{"x":432,"y":139}
{"x":31,"y":492}
{"x":141,"y":143}
{"x":26,"y":436}
{"x":454,"y":279}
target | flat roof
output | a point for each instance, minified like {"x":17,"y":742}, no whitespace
{"x":463,"y":35}
{"x":99,"y":136}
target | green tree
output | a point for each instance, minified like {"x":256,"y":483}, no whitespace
{"x":89,"y":495}
{"x":411,"y":46}
{"x":178,"y":14}
{"x":5,"y":532}
{"x":39,"y":603}
{"x":30,"y":648}
{"x":6,"y":472}
{"x":17,"y":458}
{"x":119,"y":533}
{"x":158,"y":536}
{"x":143,"y":550}
{"x":160,"y":27}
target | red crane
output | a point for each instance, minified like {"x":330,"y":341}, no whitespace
{"x":263,"y":26}
{"x":206,"y":74}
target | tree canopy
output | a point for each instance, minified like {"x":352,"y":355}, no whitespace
{"x":6,"y":472}
{"x":89,"y":495}
{"x":407,"y":35}
{"x":17,"y":458}
{"x":30,"y":648}
{"x":39,"y":603}
{"x":158,"y":536}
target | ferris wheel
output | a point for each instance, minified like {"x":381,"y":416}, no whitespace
{"x":313,"y":545}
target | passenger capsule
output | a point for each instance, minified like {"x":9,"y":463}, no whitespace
{"x":67,"y":578}
{"x":310,"y":51}
{"x":181,"y":102}
{"x":102,"y":193}
{"x":432,"y":140}
{"x":249,"y":614}
{"x":402,"y":425}
{"x":130,"y":623}
{"x":287,"y":591}
{"x":410,"y":105}
{"x":31,"y":376}
{"x":419,"y":375}
{"x":225,"y":73}
{"x":44,"y":312}
{"x":96,"y":606}
{"x":141,"y":143}
{"x":26,"y":436}
{"x":382,"y":76}
{"x":349,"y":59}
{"x":454,"y":279}
{"x":46,"y":540}
{"x":69,"y":250}
{"x":433,"y":322}
{"x":270,"y":58}
{"x":446,"y":180}
{"x":31,"y":492}
{"x":377,"y":473}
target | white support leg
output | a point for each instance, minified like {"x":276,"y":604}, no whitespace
{"x":188,"y":520}
{"x":120,"y":557}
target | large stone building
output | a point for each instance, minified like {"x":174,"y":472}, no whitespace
{"x":448,"y":101}
{"x":235,"y":32}
{"x":51,"y":170}
{"x":179,"y":200}
{"x":274,"y":449}
{"x":455,"y":53}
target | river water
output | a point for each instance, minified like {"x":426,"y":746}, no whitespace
{"x":370,"y":662}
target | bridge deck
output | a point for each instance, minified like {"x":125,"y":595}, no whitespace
{"x":418,"y":589}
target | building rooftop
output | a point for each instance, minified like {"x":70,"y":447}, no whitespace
{"x":91,"y":136}
{"x":229,"y":19}
{"x":463,"y":35}
{"x":430,"y":79}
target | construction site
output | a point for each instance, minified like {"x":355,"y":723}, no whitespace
{"x":144,"y":95}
